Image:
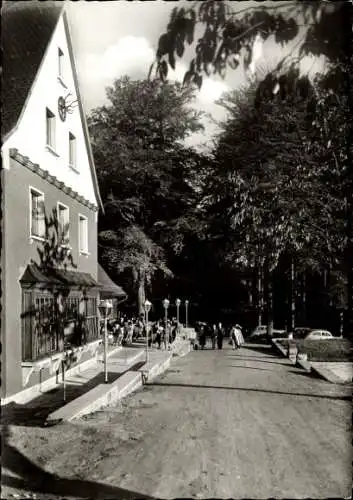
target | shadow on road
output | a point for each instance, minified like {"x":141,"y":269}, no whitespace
{"x":337,"y":397}
{"x":250,"y":368}
{"x":258,"y":359}
{"x":35,"y":479}
{"x":268,"y":349}
{"x":301,"y":372}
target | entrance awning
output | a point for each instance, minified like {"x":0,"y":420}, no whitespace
{"x":109,"y":289}
{"x":58,"y":277}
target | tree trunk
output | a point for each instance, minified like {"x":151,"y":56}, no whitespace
{"x":304,"y":299}
{"x":341,"y":322}
{"x":293,"y":296}
{"x":250,"y":288}
{"x":269,"y":302}
{"x":259,"y":294}
{"x":141,"y":295}
{"x":350,"y":303}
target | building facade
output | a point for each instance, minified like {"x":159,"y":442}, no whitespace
{"x":50,"y":202}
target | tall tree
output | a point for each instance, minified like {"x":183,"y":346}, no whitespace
{"x":273,"y":192}
{"x":145,"y":174}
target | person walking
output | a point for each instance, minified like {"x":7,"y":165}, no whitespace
{"x":237,"y":337}
{"x":166,"y":335}
{"x":130,"y":332}
{"x":213,"y":335}
{"x":169,"y":334}
{"x":174,"y":330}
{"x":233,"y":337}
{"x":202,"y":336}
{"x":156,"y":334}
{"x":220,"y":336}
{"x":240,"y":336}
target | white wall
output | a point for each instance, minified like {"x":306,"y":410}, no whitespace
{"x":30,"y":136}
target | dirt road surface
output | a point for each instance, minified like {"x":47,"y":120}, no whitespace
{"x":218,"y":424}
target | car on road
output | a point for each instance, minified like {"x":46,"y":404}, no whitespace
{"x":259,"y":330}
{"x":260,"y":333}
{"x":319,"y":334}
{"x":300,"y":332}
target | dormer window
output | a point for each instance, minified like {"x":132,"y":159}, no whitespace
{"x":61,"y":63}
{"x":61,"y":67}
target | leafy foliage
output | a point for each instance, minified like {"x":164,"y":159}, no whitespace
{"x":226,"y":34}
{"x":140,"y":253}
{"x":145,"y":173}
{"x":276,"y":189}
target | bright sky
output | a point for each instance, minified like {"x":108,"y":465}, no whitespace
{"x":117,"y":38}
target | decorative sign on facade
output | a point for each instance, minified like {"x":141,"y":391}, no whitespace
{"x":62,"y":108}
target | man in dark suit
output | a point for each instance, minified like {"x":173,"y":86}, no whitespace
{"x":220,"y":336}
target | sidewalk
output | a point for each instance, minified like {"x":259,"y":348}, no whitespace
{"x":124,"y":377}
{"x":35,"y":411}
{"x":86,"y":391}
{"x":334,"y":372}
{"x":337,"y":373}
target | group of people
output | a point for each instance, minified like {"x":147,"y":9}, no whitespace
{"x":124,"y":331}
{"x":163,"y":334}
{"x":217,"y":333}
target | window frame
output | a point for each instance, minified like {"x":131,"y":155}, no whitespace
{"x":60,"y":63}
{"x":41,"y":343}
{"x":61,"y":66}
{"x":41,"y":195}
{"x":58,"y":205}
{"x":50,"y":130}
{"x":82,"y":251}
{"x":72,"y":140}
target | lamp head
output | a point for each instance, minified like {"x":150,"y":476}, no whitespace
{"x":178,"y":302}
{"x":186,"y":302}
{"x":166,"y":303}
{"x":147,"y":305}
{"x":105,"y":307}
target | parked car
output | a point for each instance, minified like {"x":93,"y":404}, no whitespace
{"x":261,"y":332}
{"x":277,"y":334}
{"x":301,"y":332}
{"x":319,"y":334}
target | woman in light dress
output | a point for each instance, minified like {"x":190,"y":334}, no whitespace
{"x":237,"y":337}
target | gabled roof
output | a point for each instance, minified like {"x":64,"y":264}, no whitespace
{"x":108,"y":288}
{"x":26,"y":31}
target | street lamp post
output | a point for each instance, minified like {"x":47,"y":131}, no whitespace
{"x":147,"y":310}
{"x":186,"y":313}
{"x":166,"y":305}
{"x":105,"y":309}
{"x":177,"y":303}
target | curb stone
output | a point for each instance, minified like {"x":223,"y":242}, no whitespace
{"x":105,"y":394}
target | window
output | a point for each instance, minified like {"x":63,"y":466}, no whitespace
{"x":50,"y":131}
{"x":83,"y":234}
{"x":42,"y":333}
{"x":64,"y":223}
{"x":37,"y":214}
{"x":60,"y":64}
{"x":72,"y":150}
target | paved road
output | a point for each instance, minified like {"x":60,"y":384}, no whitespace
{"x":231,"y":424}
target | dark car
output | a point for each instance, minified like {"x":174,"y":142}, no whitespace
{"x":301,"y":332}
